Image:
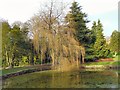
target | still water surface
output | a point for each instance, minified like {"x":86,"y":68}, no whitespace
{"x":71,"y":79}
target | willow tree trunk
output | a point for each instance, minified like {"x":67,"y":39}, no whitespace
{"x":12,"y":61}
{"x":32,"y":55}
{"x":83,"y":55}
{"x":7,"y":58}
{"x":77,"y":60}
{"x":53,"y":61}
{"x":82,"y":59}
{"x":41,"y":57}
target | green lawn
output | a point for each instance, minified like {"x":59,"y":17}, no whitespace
{"x":117,"y":58}
{"x":115,"y":62}
{"x":104,"y":63}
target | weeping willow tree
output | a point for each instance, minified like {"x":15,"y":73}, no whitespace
{"x":53,"y":42}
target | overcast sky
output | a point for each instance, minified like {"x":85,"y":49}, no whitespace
{"x":23,"y":10}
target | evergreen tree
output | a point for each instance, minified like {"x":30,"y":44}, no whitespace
{"x":93,"y":34}
{"x":76,"y":20}
{"x":100,"y":42}
{"x":114,"y":41}
{"x":90,"y":54}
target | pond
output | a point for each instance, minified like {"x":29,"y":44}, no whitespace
{"x":71,"y":79}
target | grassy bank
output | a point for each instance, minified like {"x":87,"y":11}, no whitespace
{"x":20,"y":69}
{"x":115,"y":62}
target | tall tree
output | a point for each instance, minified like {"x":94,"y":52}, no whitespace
{"x":15,"y":40}
{"x":90,"y":51}
{"x":45,"y":24}
{"x":6,"y":43}
{"x":114,"y":42}
{"x":18,"y":45}
{"x":100,"y":43}
{"x":49,"y":39}
{"x":76,"y":20}
{"x":93,"y":32}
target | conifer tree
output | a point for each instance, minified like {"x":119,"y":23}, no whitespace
{"x":114,"y":42}
{"x":100,"y":43}
{"x":76,"y":20}
{"x":90,"y":54}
